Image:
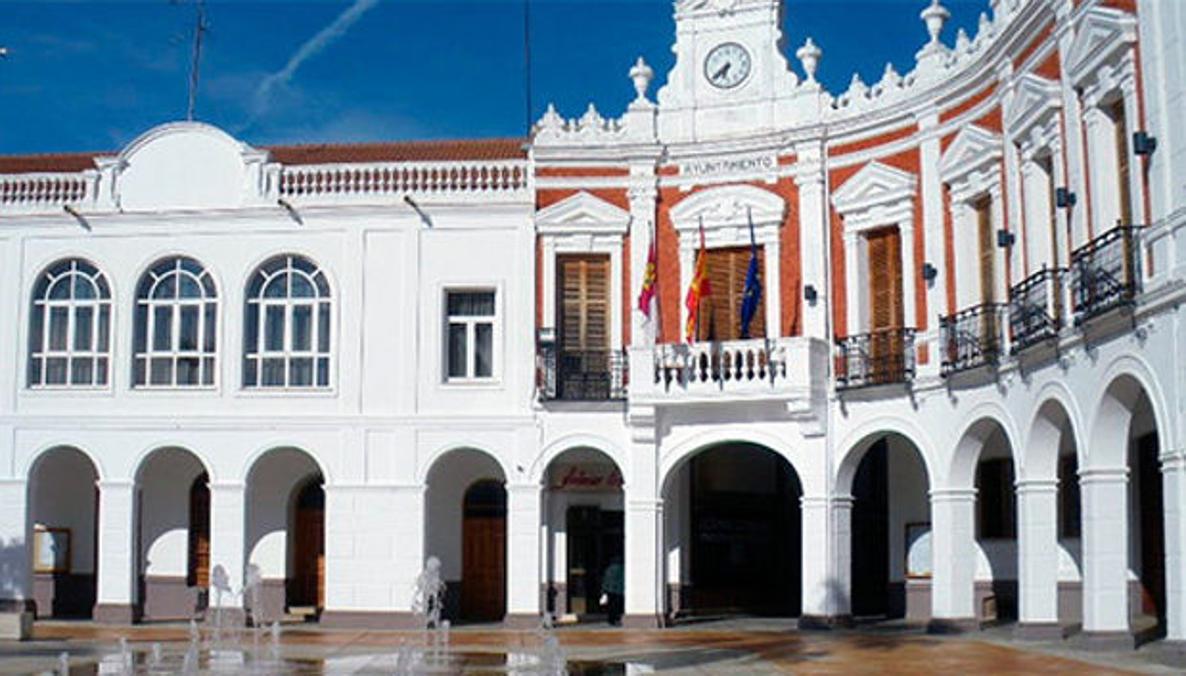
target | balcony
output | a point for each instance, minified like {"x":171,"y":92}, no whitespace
{"x":1105,"y":273}
{"x":790,"y":369}
{"x":566,"y":375}
{"x":971,"y":338}
{"x":882,"y":357}
{"x":1035,"y":308}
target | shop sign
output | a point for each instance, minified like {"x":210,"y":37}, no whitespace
{"x":586,"y":478}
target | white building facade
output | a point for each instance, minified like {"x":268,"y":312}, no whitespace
{"x":958,"y":400}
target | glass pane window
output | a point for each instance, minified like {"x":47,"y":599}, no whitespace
{"x":176,"y":325}
{"x":69,"y":326}
{"x":287,"y":339}
{"x":471,"y":335}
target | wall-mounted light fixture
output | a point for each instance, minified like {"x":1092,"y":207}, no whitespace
{"x":929,"y":272}
{"x":1063,"y":198}
{"x":1143,"y":143}
{"x":1005,"y":239}
{"x":810,"y":294}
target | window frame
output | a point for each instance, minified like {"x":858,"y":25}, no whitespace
{"x":257,"y":351}
{"x":172,"y":266}
{"x":470,"y":321}
{"x":41,"y":308}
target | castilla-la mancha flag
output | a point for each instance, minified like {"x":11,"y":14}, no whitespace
{"x":646,"y":296}
{"x":697,"y":291}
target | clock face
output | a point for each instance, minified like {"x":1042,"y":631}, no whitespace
{"x":727,"y":65}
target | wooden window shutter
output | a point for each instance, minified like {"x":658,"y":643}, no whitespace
{"x":1120,"y":123}
{"x":987,"y":251}
{"x":885,"y":278}
{"x":720,"y":313}
{"x":198,"y":573}
{"x":584,"y":303}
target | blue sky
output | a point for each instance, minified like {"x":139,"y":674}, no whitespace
{"x":92,"y":75}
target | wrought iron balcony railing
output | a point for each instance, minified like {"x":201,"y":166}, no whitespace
{"x":1105,"y":273}
{"x":876,"y":358}
{"x":584,"y":375}
{"x":1036,"y":308}
{"x":971,"y":338}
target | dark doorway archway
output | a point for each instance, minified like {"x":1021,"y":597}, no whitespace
{"x":483,"y":552}
{"x":308,"y":579}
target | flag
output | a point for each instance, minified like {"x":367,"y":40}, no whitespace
{"x":697,"y":291}
{"x":646,"y":296}
{"x":753,"y":285}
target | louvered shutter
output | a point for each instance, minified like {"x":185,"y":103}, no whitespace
{"x":584,"y":303}
{"x":720,"y":313}
{"x":1120,"y":124}
{"x":987,"y":263}
{"x":885,"y":279}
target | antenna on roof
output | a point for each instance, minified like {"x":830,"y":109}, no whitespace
{"x":200,"y":27}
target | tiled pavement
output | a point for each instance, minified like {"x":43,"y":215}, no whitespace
{"x":741,"y":647}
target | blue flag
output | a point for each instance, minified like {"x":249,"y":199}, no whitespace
{"x":752,"y":295}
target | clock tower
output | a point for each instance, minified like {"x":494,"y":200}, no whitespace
{"x":730,"y":76}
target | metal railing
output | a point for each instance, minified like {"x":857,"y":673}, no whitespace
{"x":971,"y":338}
{"x":876,"y":358}
{"x":1105,"y":273}
{"x":585,"y":375}
{"x":1035,"y":308}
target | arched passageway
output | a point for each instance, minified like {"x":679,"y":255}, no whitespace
{"x":285,"y":534}
{"x":995,"y":590}
{"x":1124,"y":558}
{"x":466,"y":529}
{"x":890,"y":564}
{"x":62,"y":510}
{"x":583,"y":519}
{"x":733,"y":534}
{"x":172,"y":535}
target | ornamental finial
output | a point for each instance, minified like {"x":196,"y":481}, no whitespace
{"x":935,"y":16}
{"x":641,"y":75}
{"x":809,"y":55}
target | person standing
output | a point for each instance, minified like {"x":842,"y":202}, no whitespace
{"x":613,"y":590}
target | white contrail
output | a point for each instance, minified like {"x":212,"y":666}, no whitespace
{"x":313,"y":46}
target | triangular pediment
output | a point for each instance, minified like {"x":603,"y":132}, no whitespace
{"x":874,"y":184}
{"x":1102,"y":34}
{"x":1034,"y":99}
{"x":973,"y":148}
{"x":583,"y":212}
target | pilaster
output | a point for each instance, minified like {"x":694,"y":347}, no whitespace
{"x":813,"y":237}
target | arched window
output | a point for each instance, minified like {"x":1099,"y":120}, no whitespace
{"x":70,"y":326}
{"x":286,"y":328}
{"x":176,"y":325}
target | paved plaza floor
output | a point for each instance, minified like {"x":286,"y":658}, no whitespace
{"x":734,"y":647}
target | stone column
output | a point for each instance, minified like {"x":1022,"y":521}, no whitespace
{"x":842,"y":557}
{"x":1037,"y":555}
{"x":953,"y":524}
{"x":523,"y":554}
{"x":817,"y":607}
{"x":115,"y":599}
{"x":227,"y":524}
{"x":1173,"y":477}
{"x":15,"y":594}
{"x":644,"y":524}
{"x":1105,"y":553}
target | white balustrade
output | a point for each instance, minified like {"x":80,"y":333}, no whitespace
{"x":779,"y":368}
{"x":35,"y":192}
{"x":338,"y":182}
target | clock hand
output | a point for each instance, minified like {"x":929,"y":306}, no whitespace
{"x":722,"y":72}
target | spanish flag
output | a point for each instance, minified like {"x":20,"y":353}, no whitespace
{"x":698,"y":291}
{"x":646,"y":297}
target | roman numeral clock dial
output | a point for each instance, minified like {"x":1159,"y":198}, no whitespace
{"x":727,"y":65}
